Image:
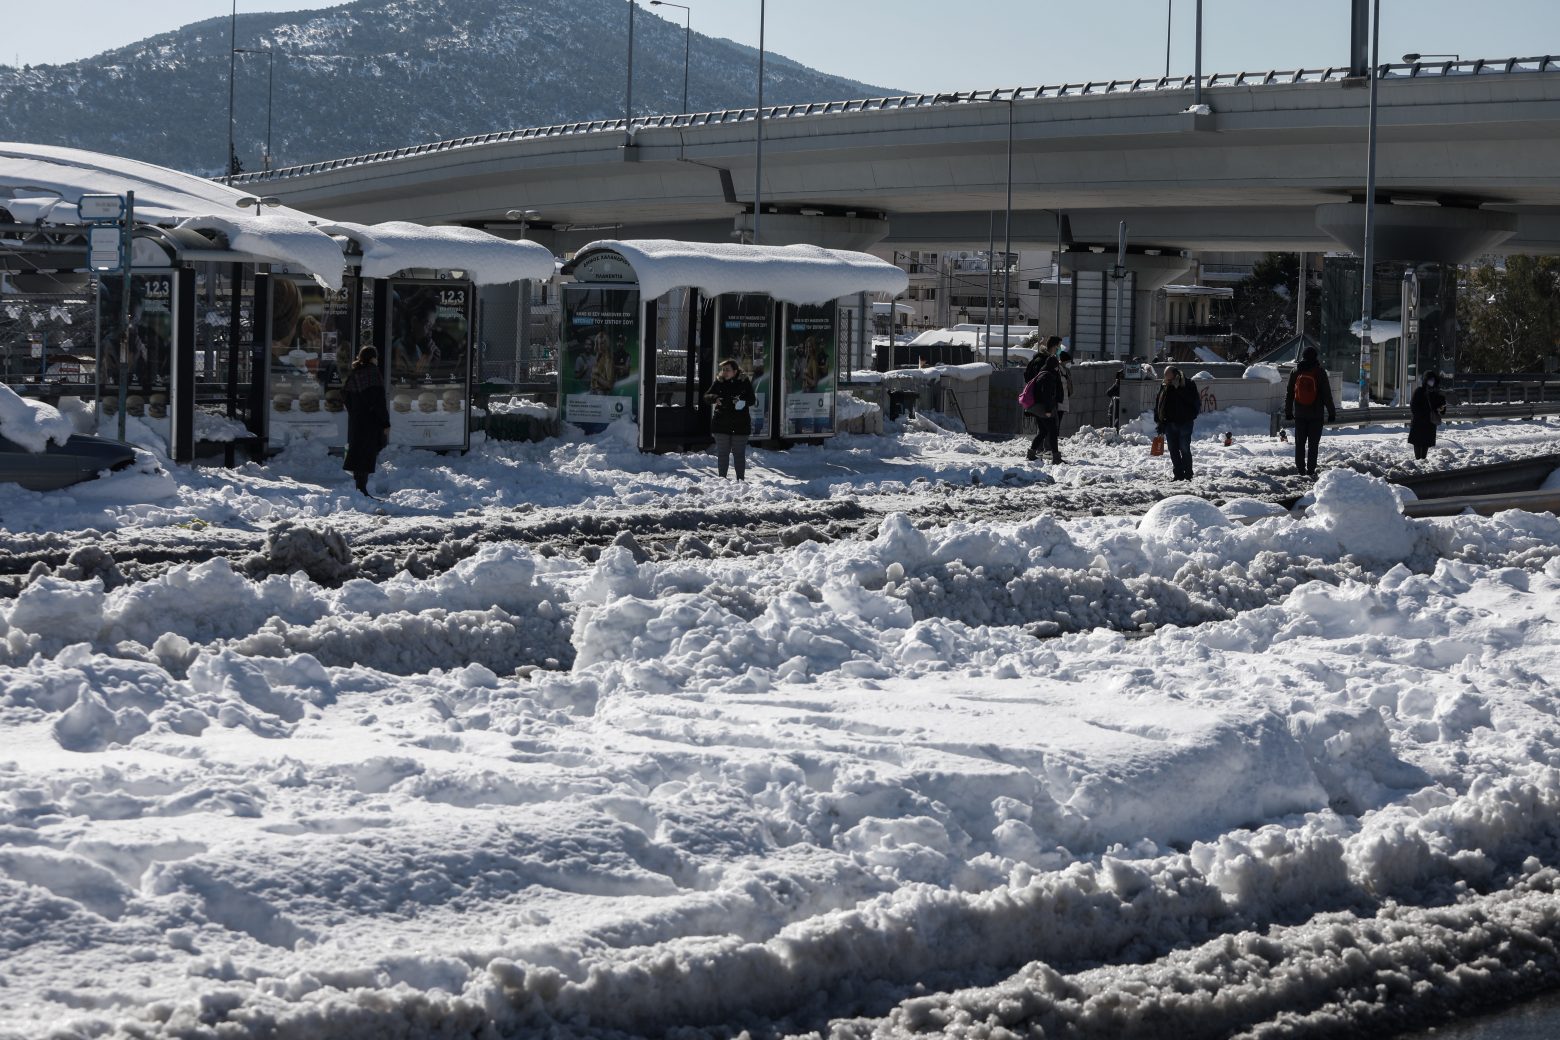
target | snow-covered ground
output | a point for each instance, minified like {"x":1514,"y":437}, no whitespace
{"x":903,"y":736}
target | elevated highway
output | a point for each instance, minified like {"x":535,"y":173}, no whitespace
{"x":1473,"y":147}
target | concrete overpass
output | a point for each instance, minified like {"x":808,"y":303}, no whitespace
{"x":1468,"y":158}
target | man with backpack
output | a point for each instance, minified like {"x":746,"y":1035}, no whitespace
{"x":1306,"y":402}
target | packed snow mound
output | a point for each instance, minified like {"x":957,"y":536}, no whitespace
{"x":1265,"y":373}
{"x":1365,"y":516}
{"x":32,"y":424}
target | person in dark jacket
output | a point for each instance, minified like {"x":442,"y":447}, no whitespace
{"x":1037,"y":363}
{"x":1050,"y":397}
{"x":1306,"y":401}
{"x":1113,"y":396}
{"x":1175,"y":412}
{"x":1425,"y":409}
{"x":731,"y":396}
{"x":368,"y":420}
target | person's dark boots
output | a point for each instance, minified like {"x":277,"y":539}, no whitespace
{"x":1056,"y":457}
{"x":362,"y":483}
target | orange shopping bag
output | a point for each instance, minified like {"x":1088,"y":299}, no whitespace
{"x":1158,"y":447}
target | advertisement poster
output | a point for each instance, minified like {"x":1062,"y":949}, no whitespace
{"x":312,"y":347}
{"x":810,"y":362}
{"x":747,"y":337}
{"x":430,"y":363}
{"x":598,"y":373}
{"x":150,"y":352}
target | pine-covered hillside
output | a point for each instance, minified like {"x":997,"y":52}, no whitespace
{"x":379,"y":74}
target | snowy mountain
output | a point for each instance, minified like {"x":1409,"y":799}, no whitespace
{"x":384,"y":73}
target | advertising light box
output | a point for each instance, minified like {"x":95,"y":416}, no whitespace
{"x":598,"y":372}
{"x":808,"y":366}
{"x":429,"y":369}
{"x":746,"y":324}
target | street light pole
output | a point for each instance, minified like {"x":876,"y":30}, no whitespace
{"x":270,"y":83}
{"x":1169,"y":24}
{"x":1367,"y":294}
{"x":232,"y":157}
{"x":628,"y":98}
{"x":1007,"y":245}
{"x":687,"y":41}
{"x":758,"y":151}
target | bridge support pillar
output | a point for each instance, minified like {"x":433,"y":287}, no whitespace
{"x":1095,"y":279}
{"x":1418,"y":234}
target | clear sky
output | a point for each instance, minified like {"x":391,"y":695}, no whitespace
{"x":938,"y":45}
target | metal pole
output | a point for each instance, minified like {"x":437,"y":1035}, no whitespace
{"x":227,"y":163}
{"x":270,"y":85}
{"x":1169,"y":23}
{"x":991,"y":258}
{"x":1300,"y":301}
{"x":1367,"y":301}
{"x":758,"y":155}
{"x":1197,"y":86}
{"x":1121,"y":277}
{"x":1007,"y":245}
{"x":863,"y":343}
{"x":127,"y":260}
{"x":687,"y":51}
{"x":1058,"y":275}
{"x":628,"y":98}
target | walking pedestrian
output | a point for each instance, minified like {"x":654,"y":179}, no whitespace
{"x":368,"y":420}
{"x":1113,"y":395}
{"x":1175,"y":412}
{"x":1307,"y":400}
{"x":731,"y":394}
{"x":1050,"y":394}
{"x":1425,"y":408}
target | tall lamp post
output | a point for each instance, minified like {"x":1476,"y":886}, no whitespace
{"x":231,"y":163}
{"x":687,"y":41}
{"x":628,"y":98}
{"x":758,"y":147}
{"x":1367,"y":293}
{"x":270,"y":84}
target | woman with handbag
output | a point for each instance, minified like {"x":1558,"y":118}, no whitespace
{"x":1425,"y":408}
{"x":1175,"y":411}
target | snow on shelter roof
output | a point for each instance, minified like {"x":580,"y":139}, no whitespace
{"x":45,"y":183}
{"x":398,"y":245}
{"x":791,"y":274}
{"x":162,"y":196}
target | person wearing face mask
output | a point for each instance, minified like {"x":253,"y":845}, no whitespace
{"x":1425,"y":409}
{"x":731,"y":420}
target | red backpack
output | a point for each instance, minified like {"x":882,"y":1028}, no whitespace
{"x":1305,"y":388}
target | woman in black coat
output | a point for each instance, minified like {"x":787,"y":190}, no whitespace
{"x":1425,"y":409}
{"x":368,"y":420}
{"x":1175,"y":411}
{"x":732,"y":419}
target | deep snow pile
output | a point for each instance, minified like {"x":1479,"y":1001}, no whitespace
{"x":1198,"y":771}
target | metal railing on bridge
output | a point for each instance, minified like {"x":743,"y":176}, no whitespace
{"x":1143,"y":84}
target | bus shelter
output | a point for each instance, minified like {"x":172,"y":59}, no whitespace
{"x":212,"y":323}
{"x":645,"y":322}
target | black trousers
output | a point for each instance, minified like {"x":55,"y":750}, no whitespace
{"x":1048,"y":435}
{"x":1308,"y":438}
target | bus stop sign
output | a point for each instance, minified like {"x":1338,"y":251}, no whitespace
{"x":96,"y":208}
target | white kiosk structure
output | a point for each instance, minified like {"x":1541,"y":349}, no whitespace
{"x":645,"y":322}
